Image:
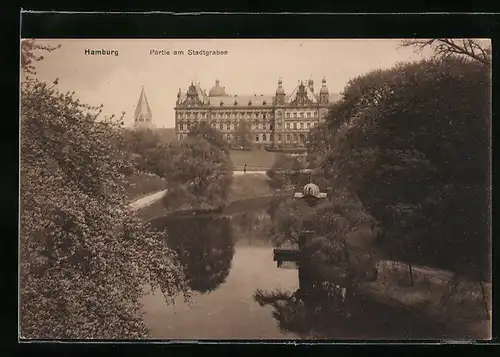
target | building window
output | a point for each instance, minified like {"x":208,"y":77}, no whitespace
{"x":221,"y":126}
{"x":308,"y":114}
{"x":181,"y":126}
{"x":264,"y":115}
{"x":264,"y":137}
{"x":263,"y":126}
{"x":295,"y":115}
{"x":279,"y":137}
{"x":295,"y":125}
{"x":308,"y":125}
{"x":287,"y":137}
{"x":301,"y":115}
{"x":257,"y":138}
{"x":288,"y":125}
{"x":241,"y":115}
{"x":294,"y":137}
{"x":302,"y":125}
{"x":288,"y":115}
{"x":279,"y":126}
{"x":228,"y":126}
{"x":271,"y":127}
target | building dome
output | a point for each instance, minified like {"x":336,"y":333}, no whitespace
{"x":311,"y":190}
{"x":324,"y":89}
{"x":217,"y":90}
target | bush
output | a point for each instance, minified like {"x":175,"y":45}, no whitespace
{"x":84,"y":257}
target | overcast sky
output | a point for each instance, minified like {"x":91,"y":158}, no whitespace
{"x":250,"y":67}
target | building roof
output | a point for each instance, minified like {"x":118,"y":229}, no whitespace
{"x":218,"y":98}
{"x":261,"y":100}
{"x":309,"y":93}
{"x":202,"y":94}
{"x":143,"y":108}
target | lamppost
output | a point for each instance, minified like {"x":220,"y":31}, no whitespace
{"x":312,"y":195}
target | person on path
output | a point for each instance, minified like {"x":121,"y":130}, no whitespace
{"x":245,"y":168}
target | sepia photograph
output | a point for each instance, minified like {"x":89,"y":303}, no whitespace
{"x":255,"y":189}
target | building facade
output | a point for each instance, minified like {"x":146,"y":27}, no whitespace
{"x":143,"y":117}
{"x":278,"y":120}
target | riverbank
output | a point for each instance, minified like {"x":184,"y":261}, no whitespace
{"x":249,"y":190}
{"x":461,"y":313}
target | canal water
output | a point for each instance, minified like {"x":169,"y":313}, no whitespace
{"x":226,"y":259}
{"x":239,"y":293}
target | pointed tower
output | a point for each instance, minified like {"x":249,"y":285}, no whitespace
{"x":143,"y":117}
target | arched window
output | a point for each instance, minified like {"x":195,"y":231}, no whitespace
{"x":264,"y":137}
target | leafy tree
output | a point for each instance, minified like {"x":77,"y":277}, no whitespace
{"x":30,"y":54}
{"x":474,"y":50}
{"x":242,"y":136}
{"x":198,"y":175}
{"x":85,"y":258}
{"x":146,"y":149}
{"x":211,"y":135}
{"x":412,"y":143}
{"x":286,"y":170}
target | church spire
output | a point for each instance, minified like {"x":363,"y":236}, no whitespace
{"x":143,"y":115}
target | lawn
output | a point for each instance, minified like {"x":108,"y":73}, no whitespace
{"x":142,"y":184}
{"x":256,"y":160}
{"x":250,"y":185}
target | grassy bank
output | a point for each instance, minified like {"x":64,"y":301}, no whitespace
{"x":255,"y":159}
{"x":249,"y":192}
{"x":462,"y":311}
{"x":142,"y":184}
{"x":249,"y":186}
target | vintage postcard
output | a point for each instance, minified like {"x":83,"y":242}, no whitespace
{"x":255,"y":189}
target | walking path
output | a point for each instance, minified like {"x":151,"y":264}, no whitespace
{"x":149,"y":199}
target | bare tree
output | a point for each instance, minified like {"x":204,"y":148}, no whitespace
{"x":445,"y":47}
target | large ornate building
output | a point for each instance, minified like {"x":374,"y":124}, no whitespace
{"x":275,"y":120}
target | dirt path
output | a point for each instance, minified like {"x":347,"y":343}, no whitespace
{"x":149,"y":199}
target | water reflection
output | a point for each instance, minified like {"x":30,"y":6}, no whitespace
{"x":226,"y":259}
{"x":205,"y":247}
{"x":316,"y":315}
{"x":243,"y":295}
